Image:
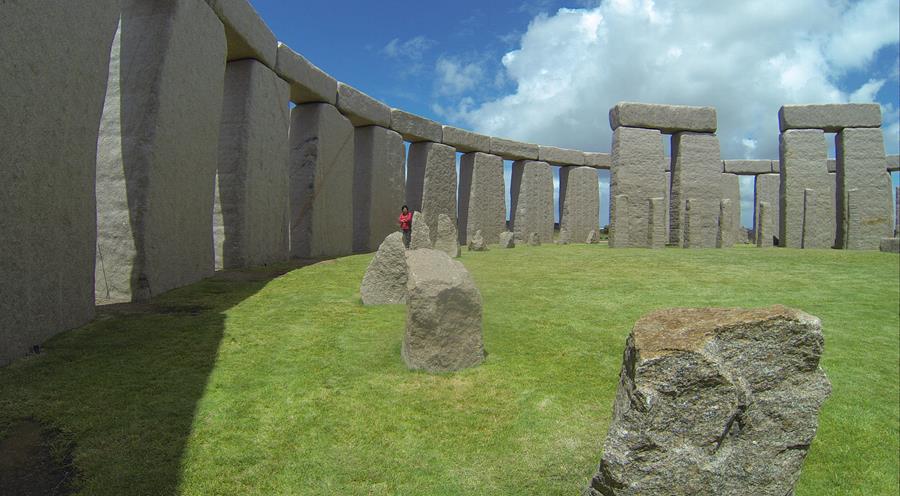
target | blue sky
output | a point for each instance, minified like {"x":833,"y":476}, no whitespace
{"x":547,"y":71}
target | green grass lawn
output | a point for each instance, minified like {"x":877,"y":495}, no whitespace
{"x":245,"y":385}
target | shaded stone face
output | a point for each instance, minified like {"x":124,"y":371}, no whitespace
{"x":726,"y":235}
{"x":656,"y":224}
{"x":532,"y":199}
{"x":764,"y":225}
{"x":731,"y":190}
{"x":637,"y":174}
{"x":767,"y":186}
{"x":696,"y":174}
{"x":385,"y":280}
{"x":579,"y":199}
{"x":862,"y":220}
{"x":420,"y":235}
{"x":431,"y":181}
{"x":719,"y":389}
{"x":482,"y":197}
{"x":447,"y":238}
{"x":803,"y":166}
{"x":379,"y":185}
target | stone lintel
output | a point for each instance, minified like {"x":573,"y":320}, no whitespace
{"x":560,"y":156}
{"x":248,"y":35}
{"x":466,"y":141}
{"x":747,"y":167}
{"x":597,"y":160}
{"x":665,"y":118}
{"x":360,"y":108}
{"x":830,"y":117}
{"x":514,"y":150}
{"x":414,"y":128}
{"x":309,"y":84}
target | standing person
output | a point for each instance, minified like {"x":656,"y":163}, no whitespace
{"x":405,"y":221}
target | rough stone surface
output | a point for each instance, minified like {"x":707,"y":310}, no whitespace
{"x":767,"y":186}
{"x":731,"y":190}
{"x":321,"y":181}
{"x":592,"y":238}
{"x":860,"y":166}
{"x":637,"y":175}
{"x":55,"y":70}
{"x":656,"y":223}
{"x":667,"y":197}
{"x":385,"y":279}
{"x":507,"y":239}
{"x":564,"y":237}
{"x":560,"y":156}
{"x":514,"y":150}
{"x":579,"y":200}
{"x":531,"y":199}
{"x":248,"y":35}
{"x":817,"y":231}
{"x":251,"y":213}
{"x":697,"y":223}
{"x":379,"y":185}
{"x":482,"y":197}
{"x":764,"y":225}
{"x":893,"y":163}
{"x":465,"y":141}
{"x":897,"y":211}
{"x":831,"y":117}
{"x":157,"y":151}
{"x":697,"y":174}
{"x":447,"y":239}
{"x":747,"y":167}
{"x":597,"y":160}
{"x":414,"y":128}
{"x":431,"y":181}
{"x":714,"y":401}
{"x":477,"y":243}
{"x":725,"y":236}
{"x":309,"y":84}
{"x":534,"y":239}
{"x":890,"y":245}
{"x":360,"y":108}
{"x":443,"y":314}
{"x":803,"y":156}
{"x":420,"y":235}
{"x":832,"y":165}
{"x":665,"y":118}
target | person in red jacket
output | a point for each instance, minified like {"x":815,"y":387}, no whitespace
{"x":405,"y":221}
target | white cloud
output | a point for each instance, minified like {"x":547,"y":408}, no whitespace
{"x":412,"y":49}
{"x":867,"y":92}
{"x":455,"y":77}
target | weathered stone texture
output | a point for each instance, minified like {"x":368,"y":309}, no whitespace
{"x":637,"y":175}
{"x":767,"y":190}
{"x":860,"y":166}
{"x":420,"y":235}
{"x":731,"y":190}
{"x":818,"y":232}
{"x":665,"y":118}
{"x":830,"y":117}
{"x":482,"y":197}
{"x":378,"y":185}
{"x":248,"y":35}
{"x":579,"y":200}
{"x":477,"y":243}
{"x":251,"y":213}
{"x":597,"y":160}
{"x":465,"y":141}
{"x":431,"y":181}
{"x":897,"y":211}
{"x":507,"y":239}
{"x":360,"y":108}
{"x":385,"y":280}
{"x":764,"y":225}
{"x":53,"y":75}
{"x":697,"y":174}
{"x":532,"y":200}
{"x":514,"y":150}
{"x":697,"y":223}
{"x":321,"y":181}
{"x":443,"y":314}
{"x":157,"y":151}
{"x":893,"y":163}
{"x":309,"y":84}
{"x":890,"y":245}
{"x":725,"y":236}
{"x":447,"y":239}
{"x":534,"y":239}
{"x":414,"y":128}
{"x":714,"y":401}
{"x":803,"y":156}
{"x":656,"y":223}
{"x":560,"y":156}
{"x":747,"y":167}
{"x":594,"y":238}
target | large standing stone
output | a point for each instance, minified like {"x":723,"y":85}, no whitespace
{"x":725,"y":236}
{"x":507,"y":239}
{"x":897,"y":211}
{"x":764,"y":225}
{"x":532,"y":200}
{"x":482,"y":197}
{"x":767,"y":186}
{"x":667,"y":198}
{"x":696,"y":223}
{"x":638,"y":174}
{"x":431,"y":181}
{"x":830,"y":117}
{"x":53,"y":75}
{"x":157,"y":151}
{"x":420,"y":235}
{"x":714,"y":401}
{"x":447,"y":239}
{"x":803,"y":166}
{"x":731,"y":190}
{"x":579,"y":201}
{"x":385,"y":279}
{"x":321,"y":171}
{"x":666,"y":118}
{"x":696,"y":173}
{"x":860,"y":166}
{"x":443,"y":314}
{"x":656,"y":223}
{"x":817,"y":231}
{"x":378,"y":184}
{"x":251,"y":215}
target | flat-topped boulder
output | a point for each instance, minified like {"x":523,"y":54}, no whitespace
{"x":560,"y":156}
{"x":665,"y":118}
{"x":360,"y":108}
{"x":465,"y":141}
{"x":514,"y":150}
{"x":714,"y":401}
{"x":385,"y":279}
{"x":308,"y":83}
{"x":829,"y":117}
{"x":414,"y":128}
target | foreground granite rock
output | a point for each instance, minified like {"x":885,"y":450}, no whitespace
{"x":714,"y":401}
{"x":443,"y":314}
{"x":385,"y":279}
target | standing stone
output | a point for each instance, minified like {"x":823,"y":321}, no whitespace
{"x":803,"y":166}
{"x":817,"y":230}
{"x":447,"y":239}
{"x":696,"y":173}
{"x":564,"y":237}
{"x":860,"y":166}
{"x":714,"y":401}
{"x":431,"y":181}
{"x":482,"y":197}
{"x":764,"y":225}
{"x":638,"y":173}
{"x":579,"y":200}
{"x":251,"y":214}
{"x":476,"y":243}
{"x":378,"y":185}
{"x":767,"y":186}
{"x":667,"y":199}
{"x":696,"y":223}
{"x":420,"y":234}
{"x":385,"y":279}
{"x":656,"y":223}
{"x":890,"y":245}
{"x":507,"y":240}
{"x":321,"y":172}
{"x":534,"y":239}
{"x":532,"y":199}
{"x":725,"y":235}
{"x":731,"y":189}
{"x":157,"y":151}
{"x":443,"y":314}
{"x":592,"y":238}
{"x":53,"y":75}
{"x":897,"y":212}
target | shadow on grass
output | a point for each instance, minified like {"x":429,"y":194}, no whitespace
{"x":123,"y":390}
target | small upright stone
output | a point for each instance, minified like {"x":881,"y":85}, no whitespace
{"x":447,"y":239}
{"x":725,"y":233}
{"x":656,"y":223}
{"x":592,"y":238}
{"x":385,"y":279}
{"x":507,"y":239}
{"x":564,"y":236}
{"x":420,"y":237}
{"x":534,"y":239}
{"x":764,"y":226}
{"x":890,"y":245}
{"x":476,"y":243}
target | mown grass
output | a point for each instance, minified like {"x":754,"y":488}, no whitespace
{"x":292,"y":387}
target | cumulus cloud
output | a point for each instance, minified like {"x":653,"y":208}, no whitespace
{"x":455,"y":77}
{"x":412,"y":49}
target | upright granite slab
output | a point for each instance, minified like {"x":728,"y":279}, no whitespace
{"x":579,"y":201}
{"x":482,"y":197}
{"x":830,"y":117}
{"x":55,"y":69}
{"x":637,"y":174}
{"x":531,"y":200}
{"x":321,"y":181}
{"x":764,"y":225}
{"x":731,"y":190}
{"x":431,"y":181}
{"x":714,"y":401}
{"x":767,"y":190}
{"x":817,"y":231}
{"x":385,"y":280}
{"x":447,"y":239}
{"x":860,"y":166}
{"x":251,"y":215}
{"x":379,"y":185}
{"x":803,"y":166}
{"x":158,"y":149}
{"x":897,"y":211}
{"x":697,"y":223}
{"x":656,"y":225}
{"x":665,"y":118}
{"x":725,"y":236}
{"x":696,"y":173}
{"x":420,"y":233}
